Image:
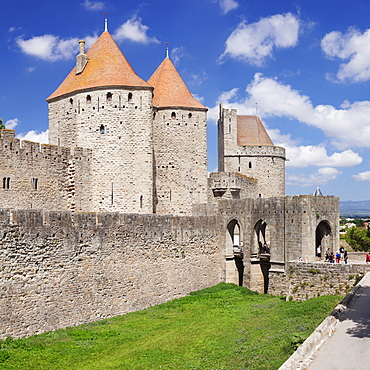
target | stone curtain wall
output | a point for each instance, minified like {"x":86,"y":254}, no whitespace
{"x":301,"y":281}
{"x":43,"y":176}
{"x":59,"y":269}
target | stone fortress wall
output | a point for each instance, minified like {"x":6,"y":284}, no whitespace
{"x":62,"y":269}
{"x":48,"y":177}
{"x":59,"y":269}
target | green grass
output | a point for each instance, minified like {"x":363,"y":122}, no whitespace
{"x":223,"y":327}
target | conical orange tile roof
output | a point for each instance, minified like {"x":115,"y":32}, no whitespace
{"x":106,"y":67}
{"x":250,"y":131}
{"x":170,"y":89}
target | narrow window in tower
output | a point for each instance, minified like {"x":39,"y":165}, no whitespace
{"x":4,"y":183}
{"x":8,"y":183}
{"x":229,"y":129}
{"x":34,"y":183}
{"x":189,"y":115}
{"x":173,"y":115}
{"x":71,"y":101}
{"x":88,"y":99}
{"x":102,"y":129}
{"x":250,"y":164}
{"x":119,"y":103}
{"x":141,"y":201}
{"x":129,"y":97}
{"x":170,"y":195}
{"x":109,"y":96}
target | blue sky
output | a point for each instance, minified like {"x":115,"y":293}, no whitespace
{"x":303,"y":65}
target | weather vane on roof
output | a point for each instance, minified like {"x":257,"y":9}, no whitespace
{"x":105,"y":23}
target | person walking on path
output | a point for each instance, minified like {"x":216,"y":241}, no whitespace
{"x":367,"y":257}
{"x":345,"y":254}
{"x":337,"y":257}
{"x":318,"y":252}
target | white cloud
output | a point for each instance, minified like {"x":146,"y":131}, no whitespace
{"x":254,"y":43}
{"x":352,"y":47}
{"x":93,"y":5}
{"x":38,"y":137}
{"x":12,"y":123}
{"x":227,"y":5}
{"x":321,"y":177}
{"x":348,"y":126}
{"x":303,"y":156}
{"x":52,"y":48}
{"x":312,"y":155}
{"x":49,"y":47}
{"x":362,"y":176}
{"x":135,"y":31}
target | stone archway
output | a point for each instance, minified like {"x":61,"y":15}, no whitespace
{"x":262,"y":245}
{"x":323,"y":230}
{"x":263,"y":248}
{"x":234,"y":254}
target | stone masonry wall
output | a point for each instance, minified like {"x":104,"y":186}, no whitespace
{"x":265,"y":163}
{"x":59,"y":269}
{"x":180,"y":159}
{"x":48,"y":177}
{"x":301,"y":281}
{"x":116,"y":124}
{"x":231,"y":185}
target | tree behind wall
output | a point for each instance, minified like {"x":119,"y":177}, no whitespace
{"x":359,"y":238}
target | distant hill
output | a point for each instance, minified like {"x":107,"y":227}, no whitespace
{"x":355,"y":208}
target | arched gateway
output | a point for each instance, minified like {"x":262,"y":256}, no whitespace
{"x":234,"y":254}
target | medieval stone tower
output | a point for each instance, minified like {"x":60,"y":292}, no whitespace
{"x":245,"y":147}
{"x":148,"y":154}
{"x":180,"y":146}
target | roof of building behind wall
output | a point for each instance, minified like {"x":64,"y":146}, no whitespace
{"x":106,"y":66}
{"x":250,"y":131}
{"x":170,"y":89}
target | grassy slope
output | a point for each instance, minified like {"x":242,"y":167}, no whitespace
{"x":224,"y":327}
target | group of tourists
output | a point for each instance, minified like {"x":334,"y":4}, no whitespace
{"x":339,"y":256}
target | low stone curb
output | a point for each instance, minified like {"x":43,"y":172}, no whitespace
{"x":303,"y":356}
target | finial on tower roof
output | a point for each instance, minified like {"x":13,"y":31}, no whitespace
{"x":167,"y":55}
{"x":105,"y":24}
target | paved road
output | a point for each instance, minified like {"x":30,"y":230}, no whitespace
{"x":349,"y":347}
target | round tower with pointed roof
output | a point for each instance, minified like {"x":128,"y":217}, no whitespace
{"x":180,"y":143}
{"x":105,"y":106}
{"x":244,"y":146}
